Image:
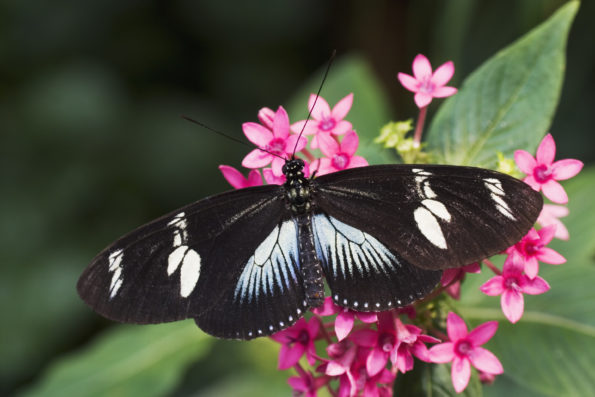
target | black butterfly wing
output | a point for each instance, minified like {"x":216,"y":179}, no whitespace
{"x":362,"y":272}
{"x":433,"y":216}
{"x":190,"y":262}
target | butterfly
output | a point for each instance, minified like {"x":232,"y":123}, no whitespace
{"x":250,"y":262}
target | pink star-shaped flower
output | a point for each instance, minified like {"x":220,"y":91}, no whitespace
{"x":549,"y":217}
{"x":237,"y":180}
{"x":324,"y":120}
{"x":279,"y":145}
{"x":464,"y":350}
{"x":339,"y":156}
{"x":346,"y":317}
{"x":411,"y":343}
{"x":382,"y":342}
{"x":512,"y":284}
{"x":532,"y":249}
{"x":543,"y":173}
{"x":297,"y":340}
{"x":428,"y":85}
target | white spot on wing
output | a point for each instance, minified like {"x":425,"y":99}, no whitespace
{"x":497,"y":193}
{"x":114,"y":267}
{"x":437,"y":208}
{"x":175,"y":258}
{"x":189,"y":272}
{"x":428,"y":225}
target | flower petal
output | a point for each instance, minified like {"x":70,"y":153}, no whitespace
{"x":289,"y":356}
{"x":342,"y":107}
{"x":422,"y":69}
{"x":493,"y":286}
{"x":530,"y":180}
{"x":546,"y":150}
{"x":565,"y":169}
{"x":525,"y":161}
{"x":376,"y":361}
{"x":327,"y":309}
{"x":254,"y":178}
{"x":531,"y":267}
{"x":409,"y":82}
{"x":442,"y":353}
{"x":512,"y":304}
{"x":271,"y":178}
{"x":233,"y":176}
{"x":555,"y":192}
{"x":290,"y":144}
{"x":536,"y":286}
{"x":443,"y":92}
{"x":367,"y":317}
{"x":327,"y":144}
{"x":266,"y":117}
{"x":342,"y":127}
{"x":321,"y":109}
{"x":443,"y":73}
{"x":344,"y":324}
{"x":422,"y":99}
{"x":257,"y":134}
{"x":256,"y":159}
{"x":548,"y":255}
{"x":357,"y":161}
{"x":485,"y":361}
{"x":482,"y":333}
{"x":460,"y":373}
{"x":455,"y":327}
{"x":546,"y":234}
{"x":277,"y":166}
{"x":349,"y":143}
{"x":281,"y":124}
{"x":310,"y":128}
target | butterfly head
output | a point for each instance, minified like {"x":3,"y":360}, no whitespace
{"x":293,"y":168}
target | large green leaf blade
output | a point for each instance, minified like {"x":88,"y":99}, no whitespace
{"x":508,"y":103}
{"x":126,"y":361}
{"x":551,"y":351}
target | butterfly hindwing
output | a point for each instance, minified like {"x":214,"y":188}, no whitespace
{"x":185,"y":263}
{"x":433,"y":216}
{"x":362,"y":273}
{"x":267,"y":296}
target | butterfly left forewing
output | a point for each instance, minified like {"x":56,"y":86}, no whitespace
{"x":435,"y":217}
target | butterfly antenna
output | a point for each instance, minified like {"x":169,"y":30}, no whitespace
{"x":328,"y":67}
{"x":223,"y":134}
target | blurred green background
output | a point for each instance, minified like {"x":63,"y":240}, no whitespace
{"x":92,"y":144}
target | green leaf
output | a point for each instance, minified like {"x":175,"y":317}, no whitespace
{"x":509,"y":102}
{"x":126,"y":361}
{"x":369,"y":112}
{"x":551,"y":351}
{"x":433,"y":380}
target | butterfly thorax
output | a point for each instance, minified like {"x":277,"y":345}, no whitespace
{"x":297,"y":187}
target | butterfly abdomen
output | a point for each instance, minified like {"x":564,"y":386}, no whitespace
{"x":310,"y":265}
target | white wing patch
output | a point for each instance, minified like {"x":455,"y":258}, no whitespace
{"x":497,"y":194}
{"x":115,"y":267}
{"x":344,"y":249}
{"x":183,"y":257}
{"x":426,"y":215}
{"x":273,"y":264}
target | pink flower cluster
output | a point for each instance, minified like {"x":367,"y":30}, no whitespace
{"x":365,"y":352}
{"x":279,"y":140}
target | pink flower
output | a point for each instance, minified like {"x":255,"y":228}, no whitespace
{"x":411,"y":343}
{"x":549,"y":217}
{"x":346,"y":317}
{"x":267,"y":117}
{"x":512,"y":284}
{"x":324,"y":120}
{"x":451,"y":278}
{"x":464,"y":350}
{"x":372,"y":385}
{"x":339,"y":156}
{"x":382,"y":342}
{"x":543,"y":173}
{"x":306,"y":384}
{"x":279,"y":145}
{"x":532,"y":248}
{"x":237,"y":180}
{"x":428,"y":85}
{"x":297,"y":340}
